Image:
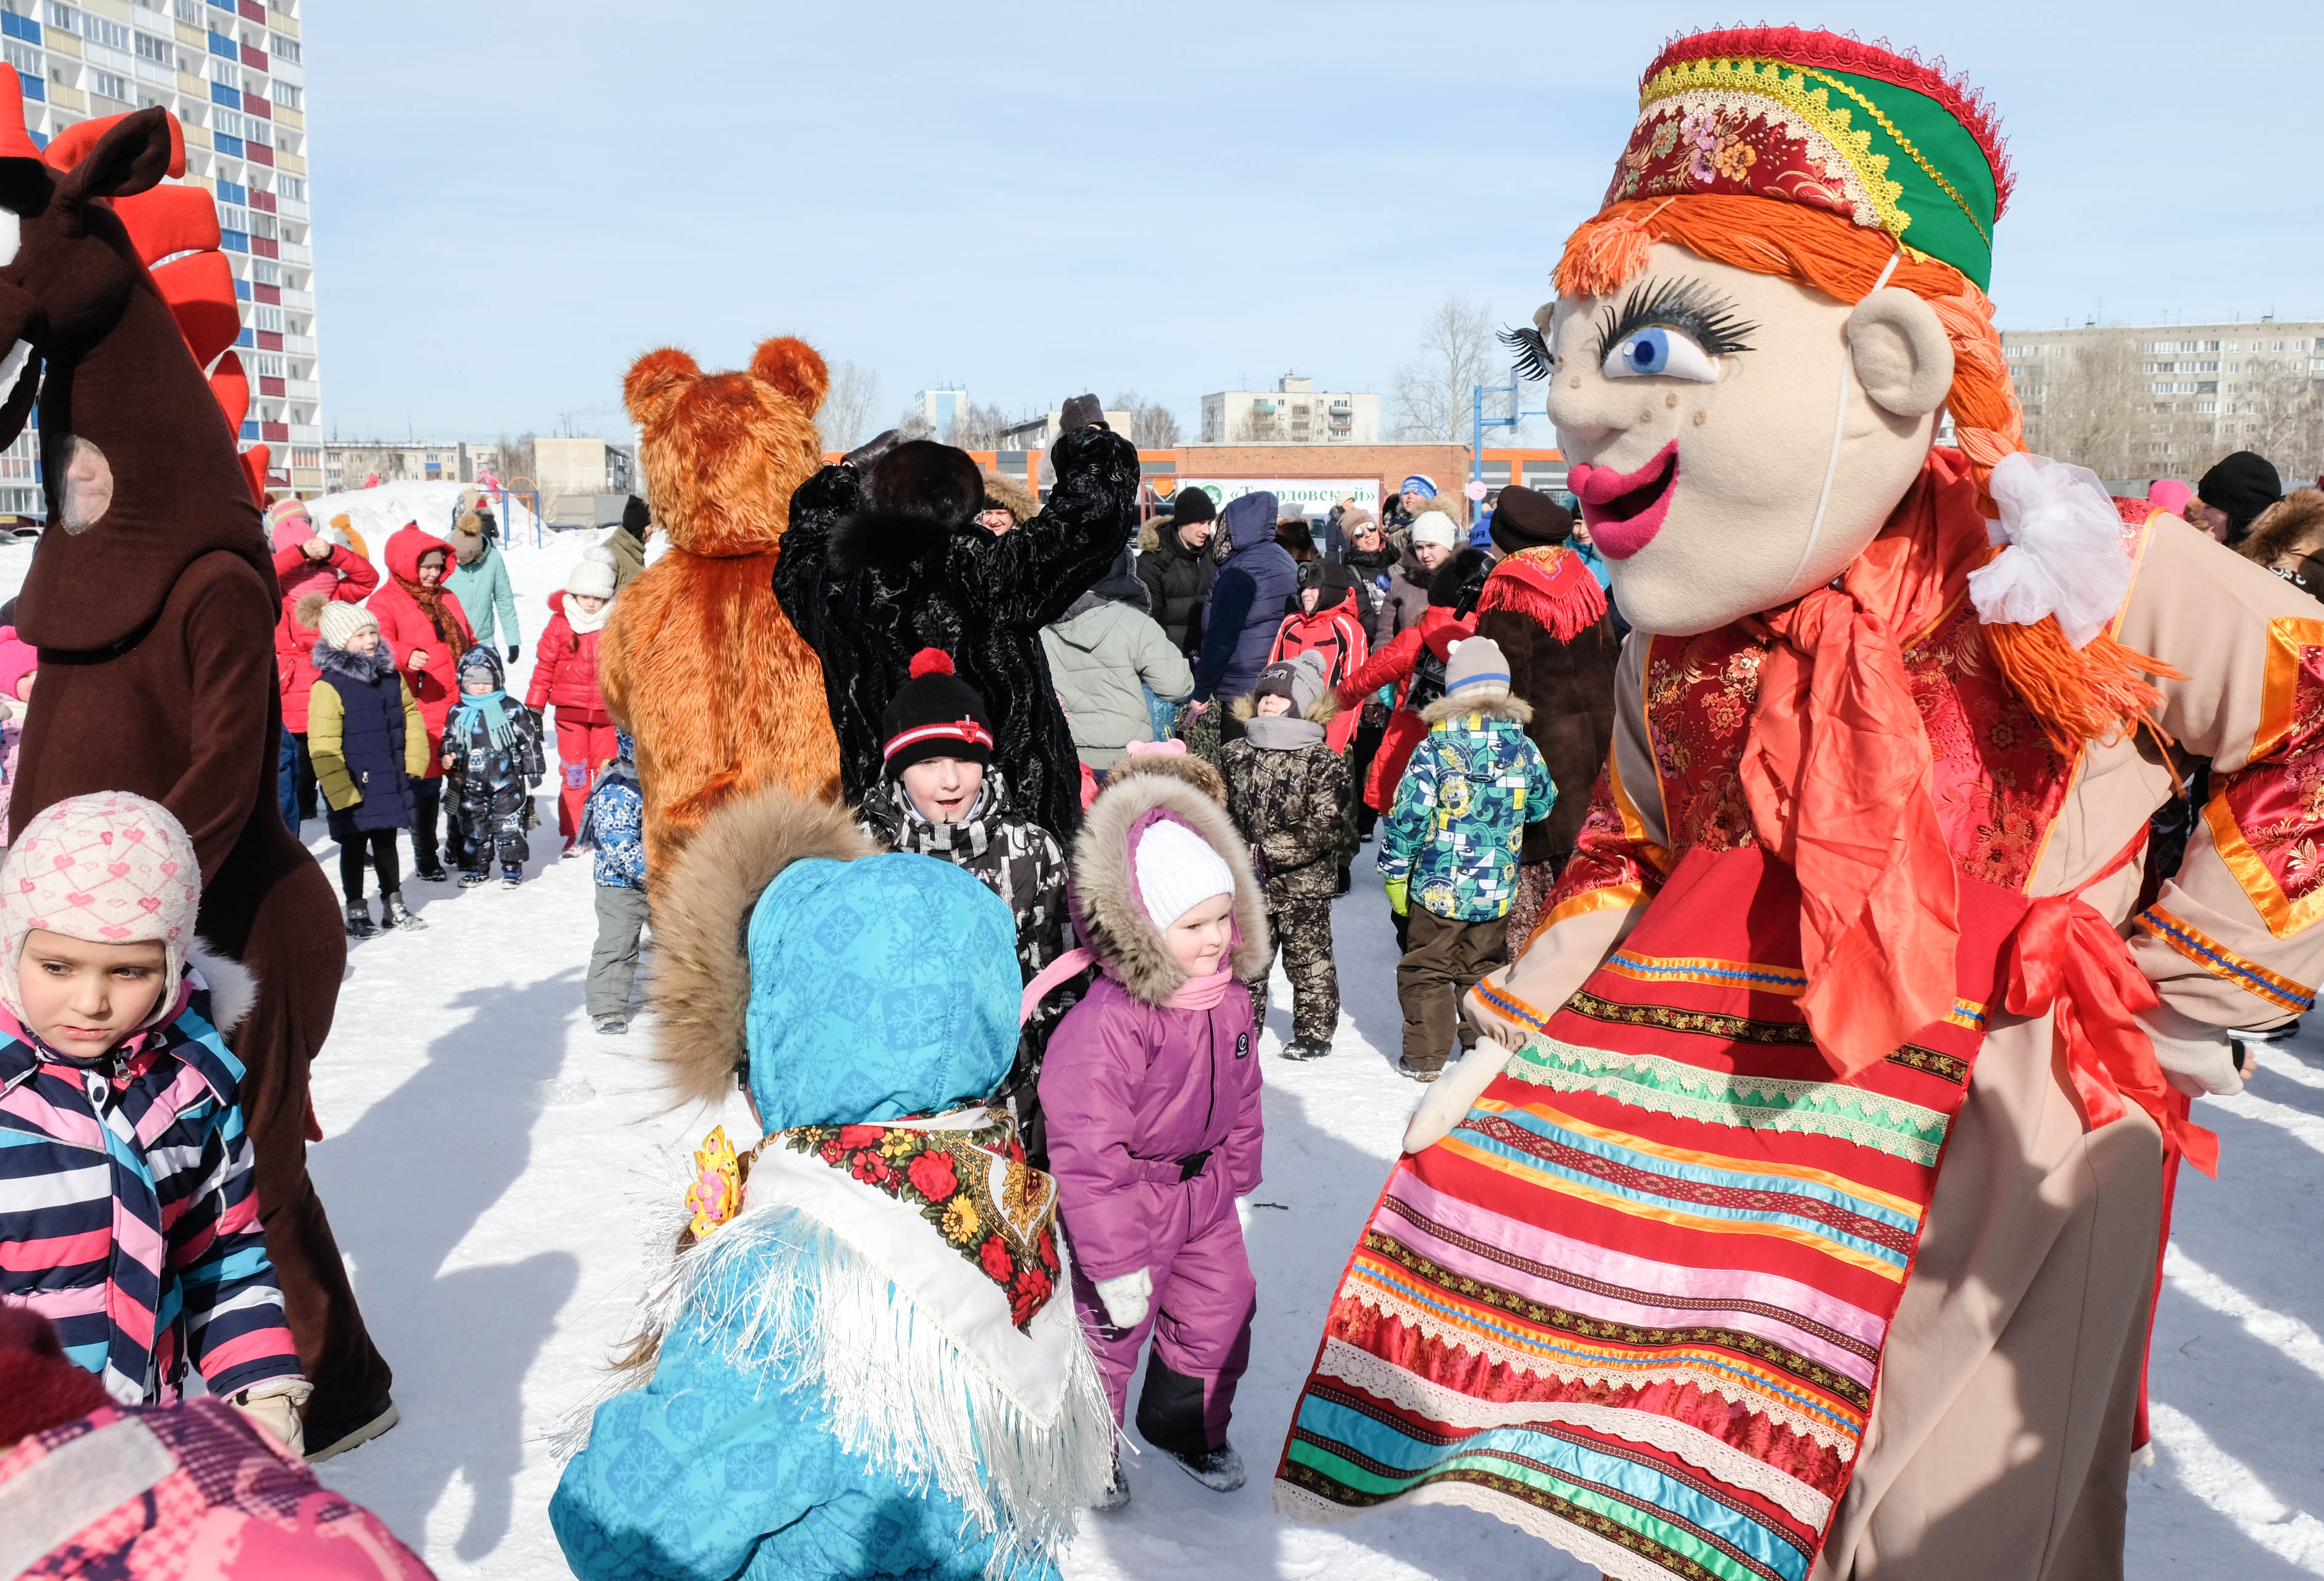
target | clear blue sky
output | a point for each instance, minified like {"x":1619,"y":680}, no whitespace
{"x":513,"y":200}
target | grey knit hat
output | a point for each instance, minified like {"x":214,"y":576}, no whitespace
{"x":1477,"y":670}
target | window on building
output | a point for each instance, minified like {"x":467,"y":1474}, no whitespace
{"x":2209,"y":368}
{"x":188,"y":12}
{"x":286,"y":93}
{"x":2279,"y":345}
{"x":110,"y":86}
{"x":2210,"y":345}
{"x":257,"y":129}
{"x":26,"y":59}
{"x":2190,"y":346}
{"x":293,"y":187}
{"x":2206,"y":406}
{"x":282,"y":47}
{"x":226,"y":122}
{"x":164,"y":51}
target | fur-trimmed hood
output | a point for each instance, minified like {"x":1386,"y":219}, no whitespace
{"x":1012,"y":495}
{"x":2288,"y":531}
{"x":1183,"y":767}
{"x":362,"y":668}
{"x":701,"y":985}
{"x":1322,"y":711}
{"x":1493,"y":705}
{"x":1108,"y":911}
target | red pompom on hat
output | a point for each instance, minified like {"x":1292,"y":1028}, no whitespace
{"x":934,"y":715}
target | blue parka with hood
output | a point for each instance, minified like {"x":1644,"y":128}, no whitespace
{"x":1255,"y":588}
{"x":844,"y":1384}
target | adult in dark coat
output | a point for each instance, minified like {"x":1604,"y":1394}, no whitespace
{"x":1257,"y":585}
{"x":875,"y":569}
{"x":153,"y":600}
{"x":1549,"y":615}
{"x":1177,"y":568}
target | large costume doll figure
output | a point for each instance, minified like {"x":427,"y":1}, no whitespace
{"x":1803,"y":1222}
{"x":153,"y":599}
{"x":698,"y":662}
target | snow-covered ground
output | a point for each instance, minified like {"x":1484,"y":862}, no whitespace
{"x":490,"y":1166}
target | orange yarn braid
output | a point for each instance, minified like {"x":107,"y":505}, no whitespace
{"x":2085,"y":695}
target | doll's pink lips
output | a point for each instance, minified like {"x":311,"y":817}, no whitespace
{"x":1624,"y":510}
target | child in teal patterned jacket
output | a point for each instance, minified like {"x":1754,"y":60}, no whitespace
{"x":1449,"y":847}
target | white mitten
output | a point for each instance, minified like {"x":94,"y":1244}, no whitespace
{"x":2196,"y":1057}
{"x":1126,"y":1296}
{"x":1447,"y":1101}
{"x":274,"y":1406}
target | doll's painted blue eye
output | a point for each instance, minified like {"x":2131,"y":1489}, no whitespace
{"x":1659,"y":353}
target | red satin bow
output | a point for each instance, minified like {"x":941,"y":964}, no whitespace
{"x":1837,"y":774}
{"x":2064,"y":959}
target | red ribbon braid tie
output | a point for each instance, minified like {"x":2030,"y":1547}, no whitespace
{"x":2067,"y":960}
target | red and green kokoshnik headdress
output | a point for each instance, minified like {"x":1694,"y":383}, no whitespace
{"x":1813,"y":118}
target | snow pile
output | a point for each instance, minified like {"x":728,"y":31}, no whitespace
{"x":378,"y":512}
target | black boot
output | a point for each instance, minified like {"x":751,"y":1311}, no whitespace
{"x":427,"y":801}
{"x":395,"y":913}
{"x":359,"y":923}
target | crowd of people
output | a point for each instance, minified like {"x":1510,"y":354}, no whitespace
{"x":1244,"y":709}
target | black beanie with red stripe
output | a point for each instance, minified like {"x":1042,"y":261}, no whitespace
{"x":934,"y":715}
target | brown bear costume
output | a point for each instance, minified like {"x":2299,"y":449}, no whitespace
{"x":698,"y":662}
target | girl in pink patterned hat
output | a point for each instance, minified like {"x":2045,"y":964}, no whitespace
{"x":130,"y":1205}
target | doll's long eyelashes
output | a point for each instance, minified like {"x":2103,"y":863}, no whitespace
{"x":1688,"y":305}
{"x":1535,"y":360}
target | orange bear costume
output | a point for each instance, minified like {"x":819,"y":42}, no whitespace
{"x":698,"y":662}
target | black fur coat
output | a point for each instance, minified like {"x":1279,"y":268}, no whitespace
{"x":868,"y":589}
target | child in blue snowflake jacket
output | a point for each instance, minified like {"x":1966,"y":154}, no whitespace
{"x":1449,"y":847}
{"x":612,"y":824}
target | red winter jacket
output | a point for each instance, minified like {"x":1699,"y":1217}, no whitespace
{"x":353,"y":580}
{"x":564,"y":671}
{"x":406,"y":630}
{"x":1438,"y":629}
{"x":1336,"y":636}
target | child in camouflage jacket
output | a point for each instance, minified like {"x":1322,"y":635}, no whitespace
{"x":1288,"y":793}
{"x":1449,"y":847}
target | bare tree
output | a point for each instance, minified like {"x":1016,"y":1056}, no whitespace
{"x":2277,"y":410}
{"x":1433,"y":394}
{"x":914,"y":424}
{"x":846,"y":419}
{"x":517,"y":459}
{"x":2094,"y":407}
{"x":979,"y":427}
{"x":1152,"y":425}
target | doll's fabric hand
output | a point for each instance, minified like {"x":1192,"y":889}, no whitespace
{"x":1126,"y":1297}
{"x":274,"y":1406}
{"x":2197,"y":1059}
{"x":1452,"y":1095}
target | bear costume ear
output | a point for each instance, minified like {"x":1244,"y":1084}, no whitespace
{"x":793,"y":367}
{"x":655,"y":382}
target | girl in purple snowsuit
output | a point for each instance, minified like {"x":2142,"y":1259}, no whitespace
{"x":1151,"y":1090}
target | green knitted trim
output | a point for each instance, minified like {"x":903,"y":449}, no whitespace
{"x":1758,"y":1103}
